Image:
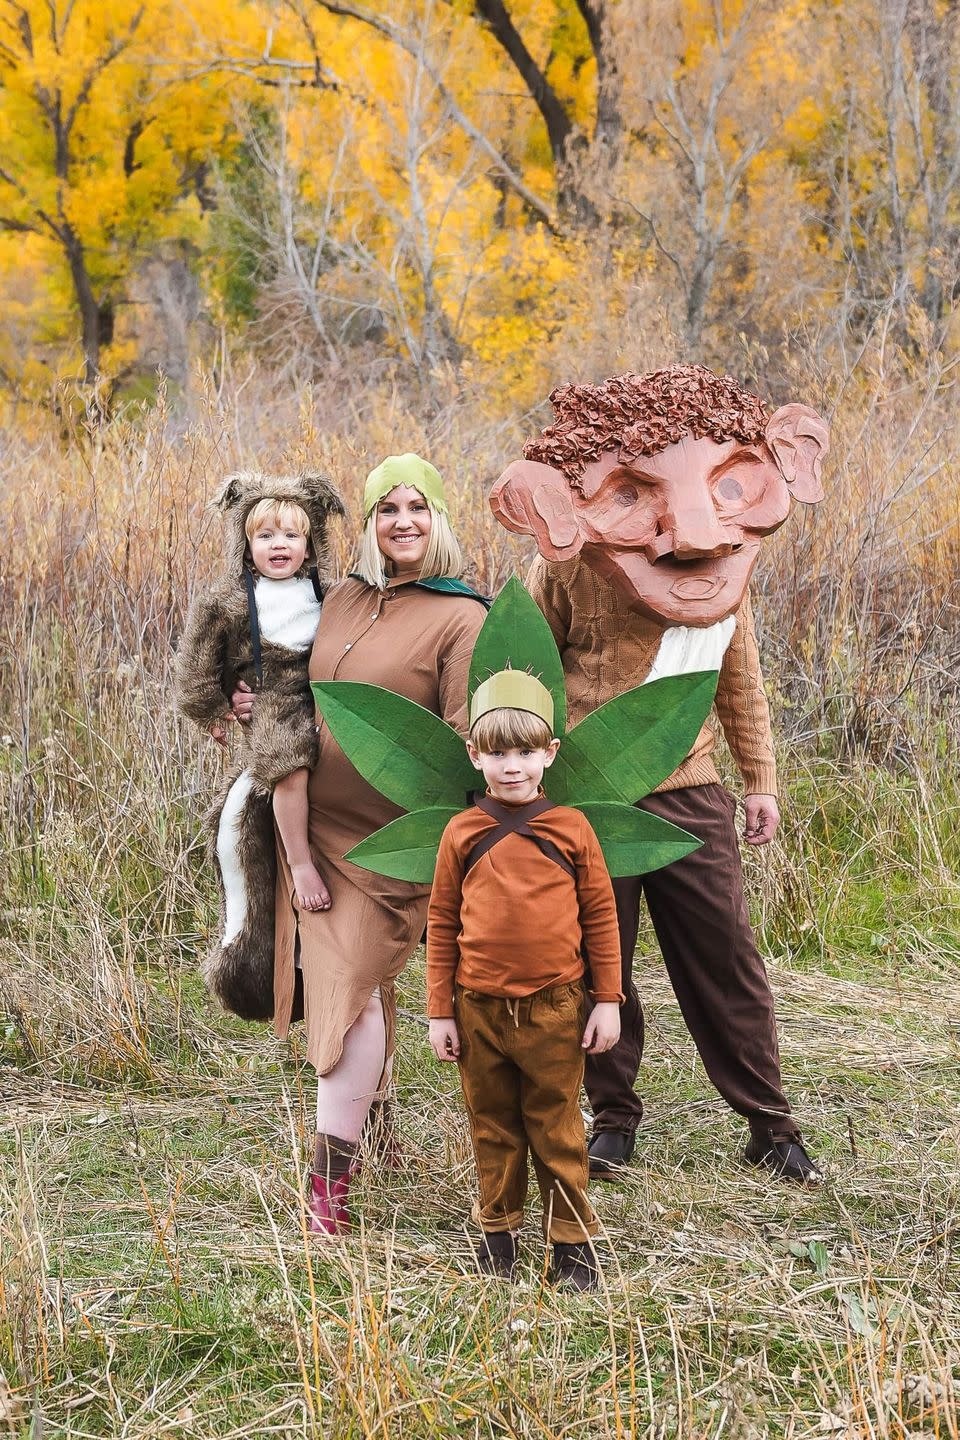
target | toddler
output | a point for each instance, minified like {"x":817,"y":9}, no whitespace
{"x":254,"y":627}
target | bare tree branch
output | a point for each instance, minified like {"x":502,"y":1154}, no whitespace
{"x":413,"y":47}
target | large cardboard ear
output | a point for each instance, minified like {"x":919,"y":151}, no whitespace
{"x":799,"y":439}
{"x":534,"y":499}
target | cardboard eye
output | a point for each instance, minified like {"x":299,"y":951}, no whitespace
{"x":730,"y":489}
{"x":627,"y":495}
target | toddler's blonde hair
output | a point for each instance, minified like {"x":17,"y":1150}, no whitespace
{"x":286,"y":514}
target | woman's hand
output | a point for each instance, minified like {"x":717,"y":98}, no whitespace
{"x":241,"y":702}
{"x":444,"y":1039}
{"x":603,"y":1027}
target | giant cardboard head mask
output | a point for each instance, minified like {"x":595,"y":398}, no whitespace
{"x":665,"y":484}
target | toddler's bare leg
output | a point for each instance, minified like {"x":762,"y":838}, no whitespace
{"x":290,"y":809}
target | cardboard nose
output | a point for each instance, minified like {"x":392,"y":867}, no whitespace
{"x":698,"y":535}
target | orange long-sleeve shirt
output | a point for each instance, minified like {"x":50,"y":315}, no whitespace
{"x":517,"y":922}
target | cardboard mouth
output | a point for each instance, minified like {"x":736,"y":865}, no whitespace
{"x":698,"y":587}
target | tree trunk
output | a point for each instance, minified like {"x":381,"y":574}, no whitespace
{"x":608,"y":130}
{"x":566,"y":146}
{"x":91,"y":315}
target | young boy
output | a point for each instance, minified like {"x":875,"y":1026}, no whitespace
{"x":254,"y":626}
{"x":521,"y":898}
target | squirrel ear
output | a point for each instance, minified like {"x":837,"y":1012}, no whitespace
{"x":534,"y":499}
{"x":229,"y":493}
{"x":799,"y":438}
{"x":325,"y":493}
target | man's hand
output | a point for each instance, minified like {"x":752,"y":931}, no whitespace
{"x":603,"y":1027}
{"x":763,"y":817}
{"x":219,"y":728}
{"x":444,"y":1039}
{"x":241,"y":702}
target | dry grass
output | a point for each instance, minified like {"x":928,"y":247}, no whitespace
{"x":155,"y":1276}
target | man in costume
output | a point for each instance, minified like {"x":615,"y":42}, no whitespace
{"x":648,"y":498}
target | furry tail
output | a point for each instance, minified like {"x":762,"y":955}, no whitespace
{"x":239,"y":968}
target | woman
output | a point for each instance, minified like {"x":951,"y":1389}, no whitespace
{"x":403,"y":621}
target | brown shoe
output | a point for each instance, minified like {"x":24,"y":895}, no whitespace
{"x":381,"y":1132}
{"x":496,"y":1254}
{"x":575,"y":1267}
{"x":609,"y":1152}
{"x":785,"y":1156}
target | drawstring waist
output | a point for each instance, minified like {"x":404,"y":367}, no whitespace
{"x":524,"y":1009}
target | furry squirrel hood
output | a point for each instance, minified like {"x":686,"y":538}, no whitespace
{"x":317,"y":495}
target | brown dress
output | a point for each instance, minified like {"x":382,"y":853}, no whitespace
{"x":418,"y":643}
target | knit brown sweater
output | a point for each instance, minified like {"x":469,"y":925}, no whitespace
{"x":608,"y":648}
{"x":517,"y":922}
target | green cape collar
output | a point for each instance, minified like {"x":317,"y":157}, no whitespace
{"x":443,"y":585}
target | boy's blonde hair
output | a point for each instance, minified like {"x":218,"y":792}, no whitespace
{"x":510,"y":730}
{"x":286,"y":514}
{"x":443,"y":558}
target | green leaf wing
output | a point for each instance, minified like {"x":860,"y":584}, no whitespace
{"x":626,"y":748}
{"x":406,"y":849}
{"x":634,"y":842}
{"x":406,"y":752}
{"x":515,"y":632}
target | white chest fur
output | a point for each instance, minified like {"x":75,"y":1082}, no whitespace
{"x":684,"y":648}
{"x":288,"y":611}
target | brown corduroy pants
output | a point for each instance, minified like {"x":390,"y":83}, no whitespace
{"x":699,"y":913}
{"x":521,"y":1067}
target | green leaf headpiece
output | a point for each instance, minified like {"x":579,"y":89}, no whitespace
{"x":613,"y":758}
{"x":409,"y":470}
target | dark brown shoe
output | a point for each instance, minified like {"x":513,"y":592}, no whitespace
{"x":609,"y":1152}
{"x":575,"y":1267}
{"x":785,"y":1156}
{"x":496,"y":1254}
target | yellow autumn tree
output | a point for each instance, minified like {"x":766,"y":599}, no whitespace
{"x":405,"y":191}
{"x":104,"y":151}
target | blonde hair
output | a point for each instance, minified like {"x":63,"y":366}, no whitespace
{"x":505,"y":729}
{"x":286,"y":514}
{"x":443,"y":557}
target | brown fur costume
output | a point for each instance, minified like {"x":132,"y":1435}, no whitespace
{"x":216,"y":653}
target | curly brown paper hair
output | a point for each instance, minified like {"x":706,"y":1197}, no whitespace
{"x":641,"y":414}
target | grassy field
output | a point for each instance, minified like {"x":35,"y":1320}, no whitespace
{"x":156,"y":1277}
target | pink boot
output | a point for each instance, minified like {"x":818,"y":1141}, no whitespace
{"x":334,"y":1166}
{"x":328,"y":1205}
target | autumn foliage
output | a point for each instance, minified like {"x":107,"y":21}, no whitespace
{"x":465,"y":184}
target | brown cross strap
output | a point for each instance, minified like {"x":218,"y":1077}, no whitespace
{"x":515,"y":821}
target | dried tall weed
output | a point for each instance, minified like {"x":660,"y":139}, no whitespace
{"x":114,"y":1064}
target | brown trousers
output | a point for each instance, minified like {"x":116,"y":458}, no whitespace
{"x":521,"y":1067}
{"x":699,"y":913}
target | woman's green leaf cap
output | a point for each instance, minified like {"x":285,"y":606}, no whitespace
{"x":512,"y":690}
{"x":409,"y":470}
